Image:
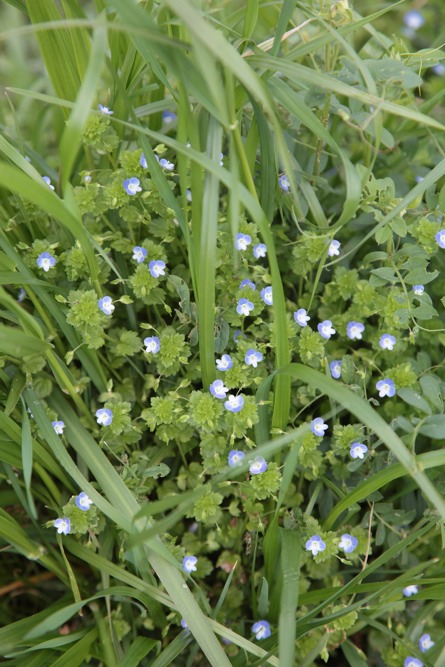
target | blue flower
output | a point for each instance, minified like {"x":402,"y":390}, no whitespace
{"x":386,"y":387}
{"x":143,"y":162}
{"x":358,"y":450}
{"x":156,"y":268}
{"x":221,"y":157}
{"x":104,"y":416}
{"x":165,"y":164}
{"x":260,"y":250}
{"x":105,"y":110}
{"x":152,"y":345}
{"x":83,"y":502}
{"x":132,"y":186}
{"x":412,"y":662}
{"x":334,"y":248}
{"x":418,"y":289}
{"x":318,"y":427}
{"x":106,"y":305}
{"x":234,"y":403}
{"x":425,"y":643}
{"x":244,"y":307}
{"x":139,"y":254}
{"x":412,"y":589}
{"x":188,"y":195}
{"x":48,"y":181}
{"x":325,"y":329}
{"x":315,"y":544}
{"x":63,"y":525}
{"x":413,"y":19}
{"x":184,"y":624}
{"x":301,"y":317}
{"x":168,"y":116}
{"x":439,"y":69}
{"x":348,"y":543}
{"x":440,"y":238}
{"x":87,"y":179}
{"x":258,"y":465}
{"x":189,"y":564}
{"x":283,"y":182}
{"x":236,"y":458}
{"x":21,"y":295}
{"x":45,"y":261}
{"x":253,"y":357}
{"x":218,"y":390}
{"x":225,"y":363}
{"x":238,"y":334}
{"x":261,"y":630}
{"x":58,"y":427}
{"x":355,"y":330}
{"x":242,"y":241}
{"x":335,"y":367}
{"x":247,"y":283}
{"x":266,"y":295}
{"x":387,"y":342}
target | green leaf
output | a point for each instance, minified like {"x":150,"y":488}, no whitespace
{"x":434,"y":427}
{"x":414,"y":399}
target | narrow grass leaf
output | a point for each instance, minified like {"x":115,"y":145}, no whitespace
{"x":137,"y":651}
{"x":290,"y":570}
{"x":27,"y":461}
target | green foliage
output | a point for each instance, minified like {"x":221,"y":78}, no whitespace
{"x":355,"y":126}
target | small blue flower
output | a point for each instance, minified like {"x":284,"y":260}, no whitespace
{"x":218,"y":390}
{"x":225,"y":363}
{"x":315,"y":544}
{"x":165,"y":164}
{"x":156,"y":268}
{"x":283,"y":182}
{"x":334,"y":248}
{"x":253,"y":357}
{"x":439,"y":69}
{"x":301,"y":317}
{"x":258,"y":466}
{"x":221,"y":157}
{"x":132,"y":186}
{"x":261,"y":630}
{"x":348,"y":543}
{"x":106,"y":305}
{"x":188,"y":195}
{"x":242,"y":241}
{"x":440,"y":238}
{"x":139,"y":254}
{"x":104,"y":416}
{"x":143,"y":162}
{"x":425,"y":643}
{"x":184,"y":624}
{"x":358,"y":450}
{"x":247,"y":283}
{"x":266,"y":295}
{"x":318,"y":427}
{"x":105,"y":110}
{"x":189,"y":564}
{"x":63,"y":525}
{"x":325,"y":329}
{"x":152,"y":345}
{"x":335,"y":367}
{"x":387,"y":342}
{"x":21,"y":295}
{"x":58,"y":427}
{"x":260,"y":250}
{"x":418,"y":289}
{"x":87,"y":179}
{"x":412,"y":662}
{"x":412,"y":589}
{"x":234,"y":403}
{"x":83,"y":502}
{"x":168,"y":117}
{"x":244,"y":307}
{"x":354,"y":330}
{"x":386,"y":387}
{"x":48,"y":181}
{"x":45,"y":261}
{"x":236,"y":458}
{"x":413,"y":19}
{"x":238,"y":334}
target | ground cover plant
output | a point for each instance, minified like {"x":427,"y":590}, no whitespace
{"x":222,"y":391}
